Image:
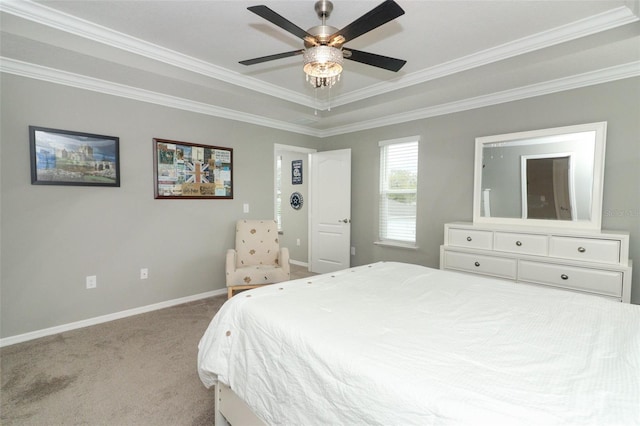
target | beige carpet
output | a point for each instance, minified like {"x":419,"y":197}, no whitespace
{"x":139,"y":370}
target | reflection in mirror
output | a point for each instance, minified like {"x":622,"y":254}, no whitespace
{"x":543,"y":177}
{"x":549,"y":187}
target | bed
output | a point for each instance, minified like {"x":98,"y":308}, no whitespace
{"x":400,"y":344}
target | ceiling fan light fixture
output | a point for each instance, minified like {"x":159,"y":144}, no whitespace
{"x":323,"y":65}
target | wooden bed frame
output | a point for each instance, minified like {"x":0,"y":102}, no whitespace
{"x":231,"y":409}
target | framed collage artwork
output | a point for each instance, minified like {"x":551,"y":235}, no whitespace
{"x":185,"y":170}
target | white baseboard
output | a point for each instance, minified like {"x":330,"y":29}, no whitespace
{"x":12,"y":340}
{"x":297,"y":262}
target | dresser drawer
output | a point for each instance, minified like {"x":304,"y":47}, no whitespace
{"x":588,"y":249}
{"x":521,"y":243}
{"x":607,"y":283}
{"x":479,"y":264}
{"x":470,"y":238}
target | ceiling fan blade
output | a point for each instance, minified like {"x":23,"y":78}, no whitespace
{"x":272,"y":57}
{"x":381,"y":14}
{"x":391,"y":64}
{"x":271,"y":16}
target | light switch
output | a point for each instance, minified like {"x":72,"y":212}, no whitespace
{"x":245,"y":207}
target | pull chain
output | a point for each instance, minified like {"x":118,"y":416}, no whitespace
{"x":315,"y":108}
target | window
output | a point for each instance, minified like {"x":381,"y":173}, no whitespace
{"x":398,"y":190}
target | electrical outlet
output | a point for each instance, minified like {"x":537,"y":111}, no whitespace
{"x":245,"y":207}
{"x":298,"y":242}
{"x":353,"y":251}
{"x":144,"y":273}
{"x":92,"y":281}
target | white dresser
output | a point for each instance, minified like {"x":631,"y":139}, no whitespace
{"x":595,"y":262}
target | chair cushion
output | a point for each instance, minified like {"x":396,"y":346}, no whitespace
{"x":256,"y":274}
{"x":256,"y":243}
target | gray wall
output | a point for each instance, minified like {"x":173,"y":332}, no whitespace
{"x":295,"y":223}
{"x":54,"y":236}
{"x":447,"y":160}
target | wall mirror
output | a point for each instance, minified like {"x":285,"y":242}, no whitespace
{"x":549,"y":177}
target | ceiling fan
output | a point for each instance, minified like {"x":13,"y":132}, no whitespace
{"x":324,"y":45}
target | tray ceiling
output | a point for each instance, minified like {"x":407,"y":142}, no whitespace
{"x":185,"y":54}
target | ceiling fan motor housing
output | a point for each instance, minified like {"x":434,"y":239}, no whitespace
{"x":321,"y":34}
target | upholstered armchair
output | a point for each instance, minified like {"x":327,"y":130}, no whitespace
{"x":258,"y":258}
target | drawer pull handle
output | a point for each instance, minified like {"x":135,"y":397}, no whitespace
{"x":477,"y":263}
{"x":518,"y":243}
{"x":564,"y":276}
{"x":582,"y":249}
{"x":468,"y":238}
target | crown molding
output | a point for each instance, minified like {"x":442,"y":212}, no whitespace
{"x":51,"y":75}
{"x":634,"y":6}
{"x":44,"y":15}
{"x":592,"y":25}
{"x":38,"y":72}
{"x":592,"y":78}
{"x":53,"y":18}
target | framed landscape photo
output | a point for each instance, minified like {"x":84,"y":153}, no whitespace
{"x":183,"y":170}
{"x":64,"y":157}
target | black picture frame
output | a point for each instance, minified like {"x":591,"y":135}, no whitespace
{"x":296,"y":172}
{"x":65,"y":157}
{"x":184,"y":170}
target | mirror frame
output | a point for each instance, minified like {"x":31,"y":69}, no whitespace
{"x":595,"y":215}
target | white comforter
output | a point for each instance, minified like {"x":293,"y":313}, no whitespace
{"x":398,"y":344}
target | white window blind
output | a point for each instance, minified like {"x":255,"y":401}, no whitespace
{"x":398,"y":190}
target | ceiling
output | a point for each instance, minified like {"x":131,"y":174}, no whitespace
{"x":184,"y":54}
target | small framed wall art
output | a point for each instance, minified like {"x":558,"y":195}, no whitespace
{"x":296,"y":172}
{"x":296,"y":200}
{"x":64,"y":157}
{"x":184,"y":170}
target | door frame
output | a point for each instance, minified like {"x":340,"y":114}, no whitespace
{"x":523,"y":179}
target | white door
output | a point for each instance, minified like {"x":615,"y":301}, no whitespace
{"x":330,"y":211}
